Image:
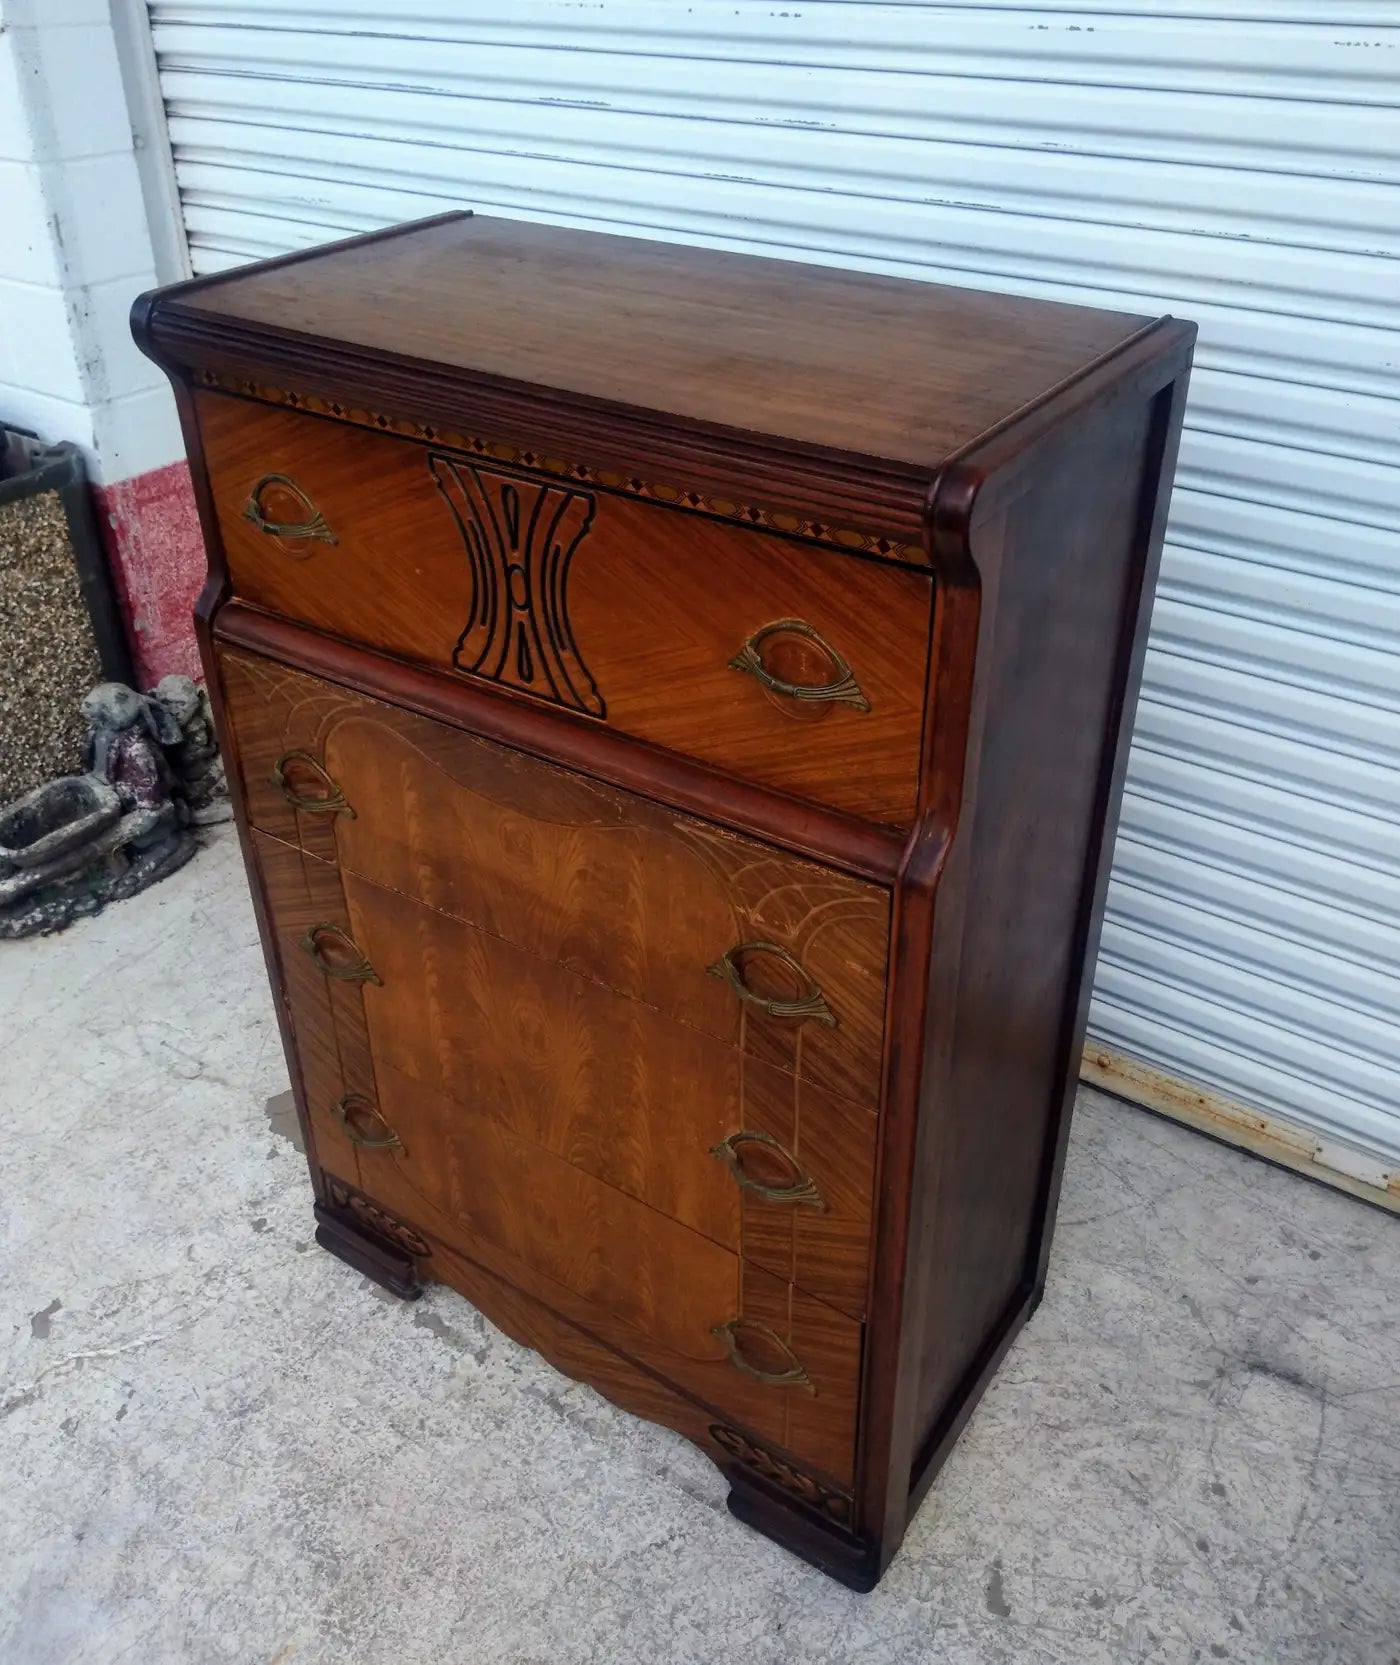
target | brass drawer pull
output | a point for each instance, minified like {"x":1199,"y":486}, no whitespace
{"x":331,"y":802}
{"x":312,"y":528}
{"x":841,"y":688}
{"x":358,"y":971}
{"x":353,"y":1109}
{"x":800,"y":1189}
{"x":793,"y":1375}
{"x":812,"y":1004}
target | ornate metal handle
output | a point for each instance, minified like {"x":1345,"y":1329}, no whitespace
{"x":801,"y":1189}
{"x":361,"y":971}
{"x":356,"y":1104}
{"x":312,"y":528}
{"x":795,"y":1375}
{"x":331,"y":802}
{"x":841,"y":689}
{"x":810,"y":1005}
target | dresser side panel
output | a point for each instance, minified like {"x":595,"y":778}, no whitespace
{"x":1061,"y":673}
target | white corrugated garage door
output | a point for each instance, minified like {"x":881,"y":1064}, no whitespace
{"x":1231,"y":161}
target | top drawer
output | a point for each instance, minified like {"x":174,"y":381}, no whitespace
{"x":658,"y":622}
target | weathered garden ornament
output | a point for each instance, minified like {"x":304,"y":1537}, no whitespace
{"x":79,"y":842}
{"x":199,"y":770}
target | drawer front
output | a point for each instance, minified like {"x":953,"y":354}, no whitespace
{"x":770,"y":1169}
{"x":545,"y":1187}
{"x":779,"y":957}
{"x":654,"y":621}
{"x":521,"y":970}
{"x":740,"y":1339}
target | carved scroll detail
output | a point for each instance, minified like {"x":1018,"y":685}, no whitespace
{"x":373,"y":1218}
{"x":743,"y":514}
{"x":830,"y":1505}
{"x":521,"y":536}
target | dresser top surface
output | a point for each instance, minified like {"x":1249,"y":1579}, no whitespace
{"x":847,"y":361}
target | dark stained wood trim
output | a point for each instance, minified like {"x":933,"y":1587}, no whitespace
{"x":944,"y":1434}
{"x":864,"y":848}
{"x":886,"y":499}
{"x":150,"y":301}
{"x":930,"y":905}
{"x":436,"y":435}
{"x":886,"y":1385}
{"x":850,"y":1561}
{"x":1159,"y":467}
{"x":919,"y":1452}
{"x":377,"y":1259}
{"x":883,"y":497}
{"x":986,"y":476}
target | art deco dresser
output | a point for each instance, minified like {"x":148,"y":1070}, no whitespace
{"x":677,"y":704}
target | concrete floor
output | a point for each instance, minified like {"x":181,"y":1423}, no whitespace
{"x":218,"y":1443}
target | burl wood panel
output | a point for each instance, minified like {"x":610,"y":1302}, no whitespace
{"x":846,"y":360}
{"x":643,"y":1282}
{"x":607,"y":884}
{"x":639,"y":1281}
{"x":623,"y":611}
{"x":472,"y":1175}
{"x":608,"y":1084}
{"x":622,"y":1092}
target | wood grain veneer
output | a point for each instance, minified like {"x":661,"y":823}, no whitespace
{"x":706,"y":1013}
{"x":529,"y":304}
{"x":609,"y":885}
{"x":664,"y":601}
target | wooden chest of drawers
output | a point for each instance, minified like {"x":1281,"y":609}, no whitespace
{"x":677,"y":705}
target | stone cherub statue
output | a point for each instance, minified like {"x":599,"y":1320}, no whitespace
{"x":194,"y":756}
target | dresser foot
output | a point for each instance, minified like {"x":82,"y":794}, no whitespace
{"x":389,"y":1267}
{"x":849,"y":1561}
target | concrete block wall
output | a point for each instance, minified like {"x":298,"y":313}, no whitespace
{"x":75,"y":249}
